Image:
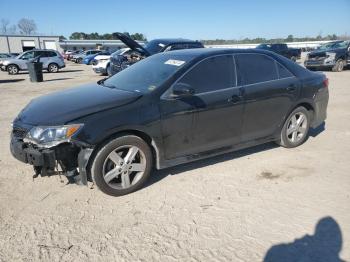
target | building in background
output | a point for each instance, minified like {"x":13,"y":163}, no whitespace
{"x":21,"y":43}
{"x":109,"y":45}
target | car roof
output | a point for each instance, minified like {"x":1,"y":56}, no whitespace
{"x":197,"y":54}
{"x":217,"y":51}
{"x":174,"y":40}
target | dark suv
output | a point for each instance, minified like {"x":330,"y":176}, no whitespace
{"x":120,"y":62}
{"x":333,"y":55}
{"x":282,"y":49}
{"x":168,"y":109}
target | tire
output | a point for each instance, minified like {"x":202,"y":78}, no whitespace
{"x":79,"y":60}
{"x":53,"y":68}
{"x":293,"y":58}
{"x":294,"y":134}
{"x":339,"y":66}
{"x":12,"y":69}
{"x":108,"y":70}
{"x":112,"y":167}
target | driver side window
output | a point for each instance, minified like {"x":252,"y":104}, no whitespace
{"x":28,"y":55}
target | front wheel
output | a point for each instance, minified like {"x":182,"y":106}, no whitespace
{"x":12,"y":69}
{"x":296,"y":128}
{"x":339,"y":66}
{"x":122,"y":165}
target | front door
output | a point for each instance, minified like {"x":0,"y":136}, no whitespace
{"x":210,"y":118}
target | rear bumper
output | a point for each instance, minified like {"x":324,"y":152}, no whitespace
{"x":321,"y":103}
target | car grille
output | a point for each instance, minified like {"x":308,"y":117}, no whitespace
{"x":317,"y":57}
{"x":19,"y":132}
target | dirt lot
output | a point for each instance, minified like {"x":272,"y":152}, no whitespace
{"x":234,"y":207}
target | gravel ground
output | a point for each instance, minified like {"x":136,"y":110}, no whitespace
{"x":236,"y":207}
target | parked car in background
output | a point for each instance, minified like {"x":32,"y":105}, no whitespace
{"x":4,"y":56}
{"x":334,"y":55}
{"x":90,"y":58}
{"x":67,"y":53}
{"x":282,"y":49}
{"x":101,"y":63}
{"x":78,"y":58}
{"x":120,"y":62}
{"x":71,"y":54}
{"x":51,"y":59}
{"x":168,"y":109}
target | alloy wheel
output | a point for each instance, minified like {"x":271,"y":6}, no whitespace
{"x":297,"y":127}
{"x":124,"y":167}
{"x":12,"y":70}
{"x":53,"y":68}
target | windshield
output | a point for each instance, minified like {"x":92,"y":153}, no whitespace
{"x":148,"y":74}
{"x":333,"y":45}
{"x":154,"y":46}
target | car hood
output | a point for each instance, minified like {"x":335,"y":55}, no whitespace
{"x":132,"y":44}
{"x":331,"y":50}
{"x":64,"y":106}
{"x":8,"y":61}
{"x":99,"y":57}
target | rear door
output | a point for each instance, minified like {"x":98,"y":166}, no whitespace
{"x":209,"y":119}
{"x":270,"y":91}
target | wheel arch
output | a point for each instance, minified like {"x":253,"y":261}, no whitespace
{"x":141,"y":134}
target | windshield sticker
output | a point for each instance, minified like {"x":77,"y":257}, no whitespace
{"x":174,"y":62}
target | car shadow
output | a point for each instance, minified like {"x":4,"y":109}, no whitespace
{"x":161,"y":174}
{"x":324,"y":245}
{"x":11,"y":80}
{"x":69,"y":71}
{"x":58,"y":79}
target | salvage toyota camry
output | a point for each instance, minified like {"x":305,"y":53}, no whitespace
{"x":169,"y":109}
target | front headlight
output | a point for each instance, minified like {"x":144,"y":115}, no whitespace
{"x":51,"y":135}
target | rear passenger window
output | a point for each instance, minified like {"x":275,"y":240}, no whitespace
{"x":211,"y":74}
{"x":283,"y":72}
{"x":255,"y":68}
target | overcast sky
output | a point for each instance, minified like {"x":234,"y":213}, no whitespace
{"x":225,"y":19}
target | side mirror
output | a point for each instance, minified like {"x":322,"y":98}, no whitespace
{"x":182,"y":89}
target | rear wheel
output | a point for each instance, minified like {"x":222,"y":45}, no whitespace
{"x":339,"y":66}
{"x":53,"y":68}
{"x":296,"y":128}
{"x":79,"y":60}
{"x":12,"y":69}
{"x":122,"y":165}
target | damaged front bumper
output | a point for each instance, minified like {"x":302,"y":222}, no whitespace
{"x":71,"y":157}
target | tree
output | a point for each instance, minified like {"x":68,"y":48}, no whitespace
{"x":26,"y":26}
{"x":289,"y":38}
{"x":61,"y":38}
{"x":4,"y":23}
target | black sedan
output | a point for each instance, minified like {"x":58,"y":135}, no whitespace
{"x":169,"y":109}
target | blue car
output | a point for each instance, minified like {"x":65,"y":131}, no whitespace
{"x":88,"y":60}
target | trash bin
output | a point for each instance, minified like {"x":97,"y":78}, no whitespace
{"x":35,"y":68}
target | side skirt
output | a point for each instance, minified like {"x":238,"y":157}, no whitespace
{"x":206,"y":154}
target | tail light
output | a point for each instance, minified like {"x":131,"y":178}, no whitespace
{"x":325,"y":82}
